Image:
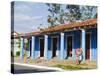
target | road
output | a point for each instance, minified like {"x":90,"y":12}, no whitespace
{"x":18,"y":69}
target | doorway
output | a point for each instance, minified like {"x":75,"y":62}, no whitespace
{"x":87,"y":45}
{"x":54,"y":46}
{"x":41,"y":47}
{"x":30,"y":46}
{"x":69,"y":46}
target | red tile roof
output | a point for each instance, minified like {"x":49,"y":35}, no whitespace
{"x":89,"y":22}
{"x":14,"y":34}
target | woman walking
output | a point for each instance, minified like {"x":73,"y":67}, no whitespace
{"x":79,"y":55}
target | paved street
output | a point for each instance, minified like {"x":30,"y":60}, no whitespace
{"x":18,"y":69}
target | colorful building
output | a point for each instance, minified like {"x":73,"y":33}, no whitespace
{"x":14,"y":43}
{"x":61,"y":41}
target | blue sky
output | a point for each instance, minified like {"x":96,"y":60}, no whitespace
{"x":28,"y":16}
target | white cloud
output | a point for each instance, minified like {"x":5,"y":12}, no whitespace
{"x":22,"y":17}
{"x":26,"y":23}
{"x":28,"y":16}
{"x":22,"y":9}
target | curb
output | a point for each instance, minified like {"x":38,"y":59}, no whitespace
{"x":41,"y":67}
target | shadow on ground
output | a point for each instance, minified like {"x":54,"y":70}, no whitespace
{"x":17,"y":69}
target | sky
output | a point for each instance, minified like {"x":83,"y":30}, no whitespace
{"x":28,"y":16}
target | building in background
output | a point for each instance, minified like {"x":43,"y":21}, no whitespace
{"x":15,"y":43}
{"x":62,"y":41}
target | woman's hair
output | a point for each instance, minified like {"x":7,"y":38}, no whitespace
{"x":78,"y":51}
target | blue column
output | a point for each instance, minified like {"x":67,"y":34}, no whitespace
{"x":73,"y":50}
{"x":83,"y":43}
{"x":21,"y":48}
{"x":28,"y":48}
{"x":33,"y":48}
{"x":29,"y":44}
{"x":46,"y":47}
{"x":62,"y":47}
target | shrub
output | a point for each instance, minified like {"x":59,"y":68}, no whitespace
{"x":18,"y":53}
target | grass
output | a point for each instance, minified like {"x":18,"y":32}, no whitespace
{"x":70,"y":67}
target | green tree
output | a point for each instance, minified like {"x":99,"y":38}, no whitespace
{"x":95,"y":16}
{"x":58,"y":14}
{"x":54,"y":10}
{"x":88,"y":12}
{"x":71,"y":13}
